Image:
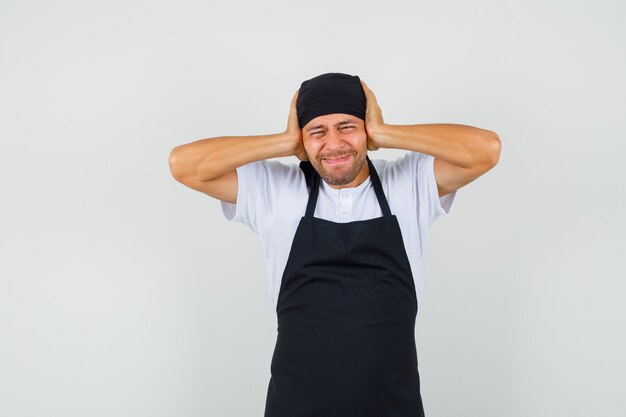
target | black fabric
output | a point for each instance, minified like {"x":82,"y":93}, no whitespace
{"x":346,"y":320}
{"x":333,"y":92}
{"x":309,"y":172}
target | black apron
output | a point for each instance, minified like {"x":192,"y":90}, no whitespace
{"x":346,"y":319}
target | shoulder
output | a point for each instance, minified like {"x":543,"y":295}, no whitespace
{"x":270,"y":172}
{"x":402,"y":167}
{"x":261,"y":187}
{"x":271,"y":166}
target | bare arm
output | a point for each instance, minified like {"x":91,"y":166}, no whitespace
{"x":462,"y":153}
{"x":209,"y":165}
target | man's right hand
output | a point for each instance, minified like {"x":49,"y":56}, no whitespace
{"x":294,"y":132}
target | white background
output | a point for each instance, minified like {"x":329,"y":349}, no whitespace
{"x":125,"y":293}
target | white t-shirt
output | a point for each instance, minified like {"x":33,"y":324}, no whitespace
{"x":272,"y":198}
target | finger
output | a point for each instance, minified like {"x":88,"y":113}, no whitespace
{"x":294,"y":99}
{"x":368,"y":92}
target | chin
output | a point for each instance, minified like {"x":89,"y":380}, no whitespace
{"x":341,"y":175}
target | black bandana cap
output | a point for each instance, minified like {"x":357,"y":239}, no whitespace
{"x":329,"y":93}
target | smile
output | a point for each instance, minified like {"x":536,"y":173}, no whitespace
{"x":338,"y":160}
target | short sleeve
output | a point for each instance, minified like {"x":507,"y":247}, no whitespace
{"x":426,"y":191}
{"x":259,"y":185}
{"x":415,"y":172}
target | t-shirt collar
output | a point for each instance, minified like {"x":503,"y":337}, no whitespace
{"x":349,"y":190}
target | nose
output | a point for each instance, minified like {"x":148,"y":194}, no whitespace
{"x":334,"y":141}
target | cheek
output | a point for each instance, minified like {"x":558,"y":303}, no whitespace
{"x":359,"y":139}
{"x":311,"y":147}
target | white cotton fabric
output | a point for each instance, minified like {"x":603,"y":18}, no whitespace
{"x":272,"y":198}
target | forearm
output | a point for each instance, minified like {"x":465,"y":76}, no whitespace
{"x":211,"y":158}
{"x":461,"y":145}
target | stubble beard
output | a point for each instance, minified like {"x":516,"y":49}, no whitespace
{"x":343,"y":175}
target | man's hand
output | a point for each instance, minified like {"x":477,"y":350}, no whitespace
{"x":294,"y":132}
{"x":373,"y":119}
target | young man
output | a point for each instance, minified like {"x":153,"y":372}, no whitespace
{"x":343,"y":238}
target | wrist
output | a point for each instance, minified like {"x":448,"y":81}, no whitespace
{"x":288,"y":143}
{"x":381,"y":135}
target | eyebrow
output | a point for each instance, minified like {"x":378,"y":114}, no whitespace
{"x":343,"y":122}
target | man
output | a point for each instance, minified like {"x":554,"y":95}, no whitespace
{"x":343,"y":238}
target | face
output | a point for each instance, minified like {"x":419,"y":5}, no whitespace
{"x":336,"y":145}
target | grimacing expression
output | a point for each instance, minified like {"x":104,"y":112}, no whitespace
{"x":336,"y":145}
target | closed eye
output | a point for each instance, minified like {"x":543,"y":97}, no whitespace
{"x":342,"y":129}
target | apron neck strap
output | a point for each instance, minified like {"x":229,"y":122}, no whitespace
{"x":313,"y":194}
{"x":378,"y":188}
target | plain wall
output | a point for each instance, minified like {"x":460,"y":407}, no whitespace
{"x":125,"y":293}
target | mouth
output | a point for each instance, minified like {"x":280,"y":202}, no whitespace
{"x":337,"y":160}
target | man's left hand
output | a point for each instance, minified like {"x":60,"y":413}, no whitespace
{"x":373,"y":119}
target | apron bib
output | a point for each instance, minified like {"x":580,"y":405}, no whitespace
{"x":346,"y":319}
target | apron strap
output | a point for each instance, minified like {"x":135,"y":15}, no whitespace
{"x":378,"y":188}
{"x":315,"y":189}
{"x":309,"y":172}
{"x":313,"y":181}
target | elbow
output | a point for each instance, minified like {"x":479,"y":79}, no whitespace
{"x":495,"y":146}
{"x":173,"y":164}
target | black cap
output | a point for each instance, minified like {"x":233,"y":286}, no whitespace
{"x":329,"y":93}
